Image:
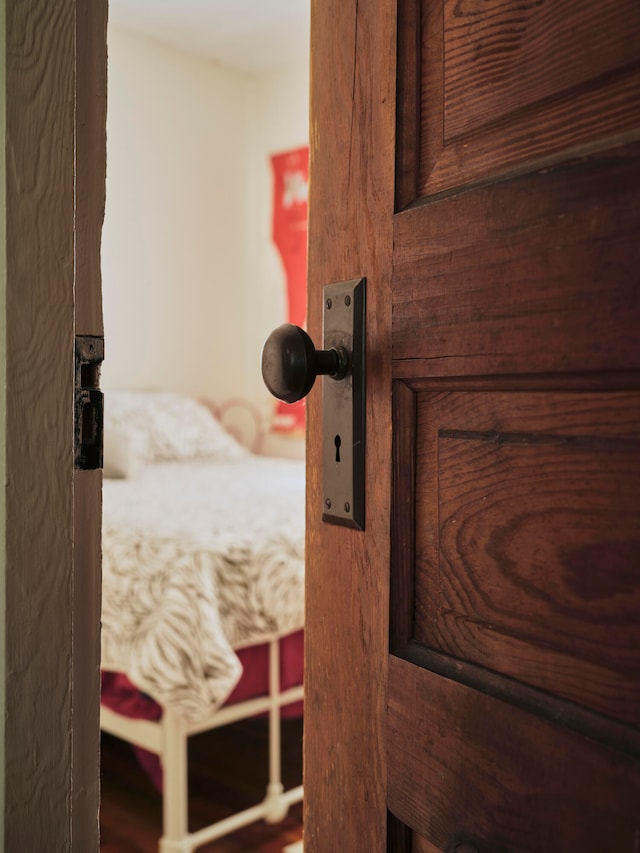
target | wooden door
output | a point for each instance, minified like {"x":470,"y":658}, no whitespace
{"x":473,"y":657}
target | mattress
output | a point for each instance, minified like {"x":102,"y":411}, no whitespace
{"x":200,"y":559}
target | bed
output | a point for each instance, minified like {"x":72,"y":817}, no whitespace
{"x":203,"y":592}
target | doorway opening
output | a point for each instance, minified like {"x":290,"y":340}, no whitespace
{"x":193,"y":281}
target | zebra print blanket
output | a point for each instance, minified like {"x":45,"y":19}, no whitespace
{"x":200,"y":558}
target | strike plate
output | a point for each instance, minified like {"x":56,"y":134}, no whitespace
{"x":343,"y":406}
{"x":89,"y":403}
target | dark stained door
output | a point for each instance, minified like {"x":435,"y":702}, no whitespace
{"x":473,"y":671}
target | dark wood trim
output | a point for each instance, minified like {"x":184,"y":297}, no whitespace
{"x":544,"y":308}
{"x":399,"y":835}
{"x":408,"y":102}
{"x":624,"y":380}
{"x":561,"y":712}
{"x":495,"y":777}
{"x":431,"y":85}
{"x":403,"y":516}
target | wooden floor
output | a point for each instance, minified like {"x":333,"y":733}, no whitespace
{"x":227,"y":772}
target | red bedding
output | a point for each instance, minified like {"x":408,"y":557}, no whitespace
{"x":123,"y":697}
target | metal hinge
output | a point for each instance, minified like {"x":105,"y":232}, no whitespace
{"x":89,"y":403}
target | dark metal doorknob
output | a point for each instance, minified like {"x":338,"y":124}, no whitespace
{"x":290,"y":363}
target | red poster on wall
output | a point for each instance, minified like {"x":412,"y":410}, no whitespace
{"x":290,"y":193}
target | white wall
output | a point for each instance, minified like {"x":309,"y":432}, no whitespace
{"x":192,"y":284}
{"x":279,"y":103}
{"x":174,"y":265}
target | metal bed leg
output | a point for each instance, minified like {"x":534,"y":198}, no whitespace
{"x":172,"y":749}
{"x":175,"y":792}
{"x":276,"y":806}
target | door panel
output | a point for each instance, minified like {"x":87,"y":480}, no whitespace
{"x":527,"y":540}
{"x":506,"y":85}
{"x":467,"y":768}
{"x":533,"y":275}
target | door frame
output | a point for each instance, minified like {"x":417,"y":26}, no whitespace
{"x":55,"y":104}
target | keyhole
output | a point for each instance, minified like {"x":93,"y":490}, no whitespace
{"x":338,"y":442}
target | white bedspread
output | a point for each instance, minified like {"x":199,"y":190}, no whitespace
{"x":200,"y":558}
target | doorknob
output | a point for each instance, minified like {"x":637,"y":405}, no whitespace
{"x":290,"y":363}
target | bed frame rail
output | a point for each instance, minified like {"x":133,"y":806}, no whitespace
{"x":167,"y":738}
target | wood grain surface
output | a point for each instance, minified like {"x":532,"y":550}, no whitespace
{"x":513,"y":503}
{"x":532,"y":566}
{"x":510,"y":87}
{"x":347,"y":573}
{"x":40,"y":86}
{"x":478,"y":748}
{"x":534,"y":275}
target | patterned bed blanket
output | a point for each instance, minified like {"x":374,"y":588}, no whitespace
{"x":200,"y":558}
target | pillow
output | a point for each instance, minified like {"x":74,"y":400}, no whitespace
{"x":166,"y":426}
{"x":122,"y":457}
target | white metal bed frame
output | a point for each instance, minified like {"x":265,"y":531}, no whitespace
{"x":167,"y":738}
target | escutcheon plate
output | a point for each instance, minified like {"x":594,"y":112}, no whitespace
{"x":343,"y":406}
